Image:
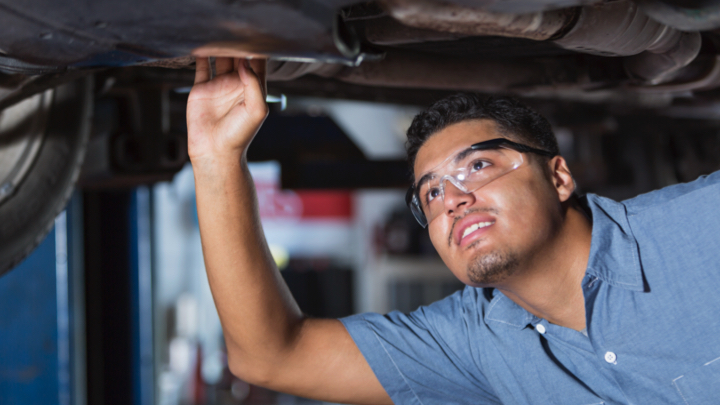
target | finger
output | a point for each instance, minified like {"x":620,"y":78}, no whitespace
{"x":202,"y":70}
{"x":259,"y":66}
{"x":254,"y":96}
{"x":223,"y":65}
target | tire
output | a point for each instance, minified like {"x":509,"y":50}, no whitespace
{"x":42,"y":156}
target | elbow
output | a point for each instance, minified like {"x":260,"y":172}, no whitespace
{"x":252,"y":372}
{"x":262,"y":363}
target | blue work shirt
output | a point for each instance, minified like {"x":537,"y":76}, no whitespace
{"x":652,"y":302}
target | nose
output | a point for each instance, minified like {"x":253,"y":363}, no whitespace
{"x":455,"y":198}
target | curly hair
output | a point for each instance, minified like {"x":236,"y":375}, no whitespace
{"x":514,"y":119}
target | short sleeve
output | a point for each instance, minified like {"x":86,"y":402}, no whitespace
{"x":678,"y":232}
{"x":425,"y":357}
{"x":703,"y":196}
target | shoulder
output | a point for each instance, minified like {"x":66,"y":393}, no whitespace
{"x":677,"y":228}
{"x":469,"y":302}
{"x":450,"y":321}
{"x":428,"y":353}
{"x":701,"y":193}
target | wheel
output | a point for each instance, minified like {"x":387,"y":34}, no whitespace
{"x":42,"y":146}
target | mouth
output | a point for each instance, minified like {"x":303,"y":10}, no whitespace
{"x":472,"y":228}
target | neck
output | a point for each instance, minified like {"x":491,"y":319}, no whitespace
{"x":549,"y":285}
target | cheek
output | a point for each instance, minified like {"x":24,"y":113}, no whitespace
{"x":439,"y":239}
{"x":438,"y":236}
{"x":530,"y":210}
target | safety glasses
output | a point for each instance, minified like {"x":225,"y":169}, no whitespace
{"x":467,"y":170}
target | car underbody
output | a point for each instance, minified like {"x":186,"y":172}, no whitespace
{"x":636,"y":83}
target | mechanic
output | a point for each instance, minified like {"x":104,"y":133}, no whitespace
{"x":569,"y":300}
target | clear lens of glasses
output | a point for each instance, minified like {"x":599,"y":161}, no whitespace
{"x":467,"y":170}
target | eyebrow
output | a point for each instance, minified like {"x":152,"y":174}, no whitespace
{"x":424,"y":179}
{"x":460,"y":156}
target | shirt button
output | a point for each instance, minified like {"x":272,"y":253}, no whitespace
{"x":610,"y":357}
{"x":540,"y":329}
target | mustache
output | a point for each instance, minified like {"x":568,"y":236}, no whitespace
{"x":466,"y":213}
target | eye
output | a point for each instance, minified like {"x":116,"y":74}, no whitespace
{"x":432,"y":194}
{"x":478,"y":165}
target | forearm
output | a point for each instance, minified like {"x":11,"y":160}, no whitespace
{"x":259,"y":316}
{"x":269,"y":341}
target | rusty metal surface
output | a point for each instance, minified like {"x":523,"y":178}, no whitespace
{"x":448,"y":48}
{"x":388,"y":31}
{"x":466,"y":20}
{"x":656,"y":67}
{"x":684,"y":15}
{"x":411,"y":70}
{"x":616,"y":29}
{"x":523,"y":6}
{"x":171,"y":63}
{"x":63,"y":33}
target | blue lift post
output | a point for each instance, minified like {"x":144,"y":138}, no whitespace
{"x":76,"y":315}
{"x":41,"y":325}
{"x":142,"y":294}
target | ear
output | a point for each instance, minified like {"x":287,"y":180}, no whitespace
{"x":561,"y":178}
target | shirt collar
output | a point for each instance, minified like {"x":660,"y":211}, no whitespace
{"x":613,"y":250}
{"x":613,"y":259}
{"x":505,"y":311}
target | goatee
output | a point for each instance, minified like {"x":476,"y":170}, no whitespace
{"x":492,"y":268}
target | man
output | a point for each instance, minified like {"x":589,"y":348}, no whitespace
{"x":569,"y":300}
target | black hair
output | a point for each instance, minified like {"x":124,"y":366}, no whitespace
{"x":514,"y":119}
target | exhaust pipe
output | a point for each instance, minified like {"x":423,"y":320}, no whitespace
{"x":612,"y":29}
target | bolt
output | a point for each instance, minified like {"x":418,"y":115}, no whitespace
{"x":46,"y":35}
{"x":6,"y":189}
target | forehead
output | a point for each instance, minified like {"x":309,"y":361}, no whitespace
{"x":453,"y":139}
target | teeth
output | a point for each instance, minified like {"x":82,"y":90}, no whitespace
{"x":474,"y":227}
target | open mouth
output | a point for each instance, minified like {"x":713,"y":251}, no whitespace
{"x":470,"y":229}
{"x":473,"y":223}
{"x":474,"y":227}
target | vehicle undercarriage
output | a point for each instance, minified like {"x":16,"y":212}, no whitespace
{"x":632,"y":87}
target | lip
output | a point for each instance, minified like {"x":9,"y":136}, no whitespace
{"x":468,"y":221}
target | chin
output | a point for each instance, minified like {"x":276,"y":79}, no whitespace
{"x":488,"y":269}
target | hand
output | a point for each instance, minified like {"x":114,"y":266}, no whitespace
{"x":224,"y":113}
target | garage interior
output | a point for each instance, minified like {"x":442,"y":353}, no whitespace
{"x":113,"y":306}
{"x":124,"y":313}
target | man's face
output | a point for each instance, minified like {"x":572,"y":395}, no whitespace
{"x":515,"y":215}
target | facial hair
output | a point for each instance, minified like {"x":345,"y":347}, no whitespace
{"x":492,"y":268}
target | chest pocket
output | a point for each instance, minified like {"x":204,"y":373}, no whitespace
{"x":700,"y":386}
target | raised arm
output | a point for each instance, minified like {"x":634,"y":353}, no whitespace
{"x":270,"y":342}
